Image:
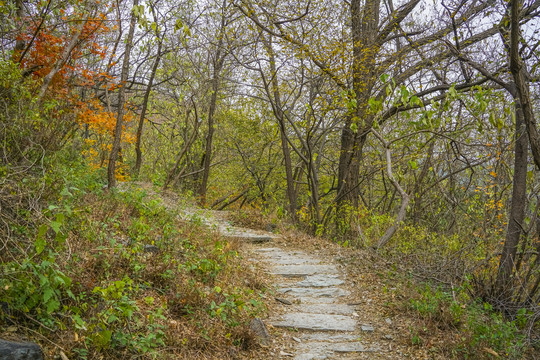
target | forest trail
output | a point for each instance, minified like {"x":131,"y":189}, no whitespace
{"x":313,"y":314}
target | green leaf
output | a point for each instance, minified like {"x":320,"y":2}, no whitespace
{"x":47,"y":294}
{"x":452,"y":91}
{"x":374,"y":105}
{"x":404,"y":94}
{"x":354,"y":127}
{"x":178,"y":25}
{"x":103,"y":338}
{"x":415,"y":100}
{"x":153,"y":26}
{"x":55,"y":225}
{"x":53,"y":305}
{"x":40,"y":240}
{"x":187,"y":32}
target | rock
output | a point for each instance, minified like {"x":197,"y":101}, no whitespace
{"x":367,"y":328}
{"x":10,"y":350}
{"x":283,"y":301}
{"x":388,"y":337}
{"x":388,"y":321}
{"x":298,"y":340}
{"x":259,"y":329}
{"x":316,"y":322}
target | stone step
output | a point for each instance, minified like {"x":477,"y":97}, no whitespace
{"x":333,"y":309}
{"x":303,"y":270}
{"x":320,"y":280}
{"x":323,"y":350}
{"x":251,"y":238}
{"x":316,"y":322}
{"x":327,"y":292}
{"x":323,"y":336}
{"x":290,"y":260}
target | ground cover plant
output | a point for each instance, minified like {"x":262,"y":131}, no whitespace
{"x":117,"y":274}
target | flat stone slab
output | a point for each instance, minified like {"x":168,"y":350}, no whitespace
{"x":312,"y":356}
{"x":321,"y":280}
{"x":335,"y":309}
{"x":320,"y":336}
{"x":367,"y":328}
{"x":252,"y":238}
{"x":303,"y":270}
{"x":351,"y":348}
{"x":307,"y":300}
{"x":323,"y":350}
{"x":287,"y":259}
{"x":329,"y":292}
{"x":316,"y":322}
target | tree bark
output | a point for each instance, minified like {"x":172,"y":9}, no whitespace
{"x":523,"y":113}
{"x":519,"y":73}
{"x":219,"y":60}
{"x":517,"y":208}
{"x":364,"y":23}
{"x":117,"y":136}
{"x":138,"y":160}
{"x":278,"y":112}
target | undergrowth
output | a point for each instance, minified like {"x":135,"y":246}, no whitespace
{"x":443,"y":280}
{"x":116,"y":275}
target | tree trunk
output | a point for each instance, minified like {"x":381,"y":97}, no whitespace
{"x":138,"y":161}
{"x":19,"y":42}
{"x":524,"y":116}
{"x":291,"y":194}
{"x":111,"y":170}
{"x":364,"y":22}
{"x":404,"y":196}
{"x":218,"y":65}
{"x":517,"y":208}
{"x":519,"y":73}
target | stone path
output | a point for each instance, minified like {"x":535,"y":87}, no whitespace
{"x":317,"y":313}
{"x":321,"y":319}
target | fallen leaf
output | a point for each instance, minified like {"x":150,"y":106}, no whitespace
{"x":11,"y":329}
{"x":491,"y":351}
